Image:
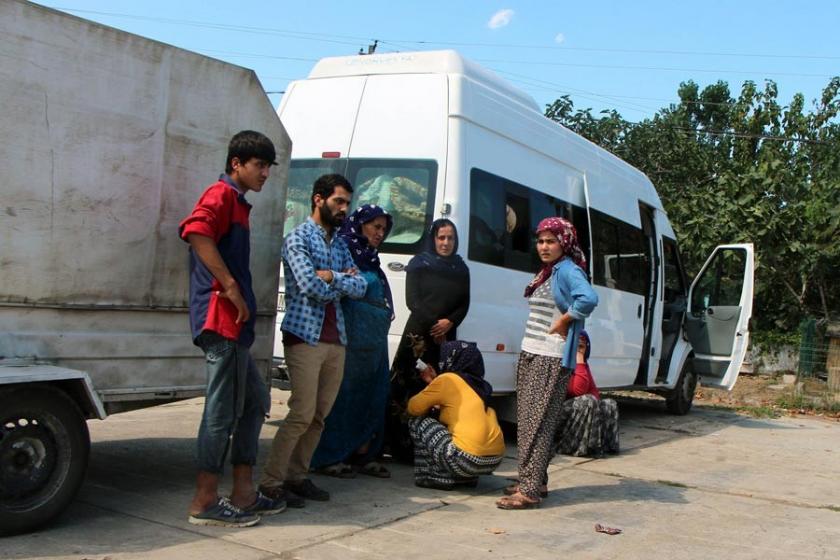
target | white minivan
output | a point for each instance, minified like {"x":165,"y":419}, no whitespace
{"x":431,"y":134}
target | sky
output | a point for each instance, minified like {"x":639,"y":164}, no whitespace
{"x":622,"y":55}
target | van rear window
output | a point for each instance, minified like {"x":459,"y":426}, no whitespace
{"x":404,"y":188}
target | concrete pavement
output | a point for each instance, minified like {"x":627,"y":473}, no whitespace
{"x":708,"y":485}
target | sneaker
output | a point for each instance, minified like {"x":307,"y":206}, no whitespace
{"x":278,"y":493}
{"x":306,"y":489}
{"x":264,"y":505}
{"x":224,"y":514}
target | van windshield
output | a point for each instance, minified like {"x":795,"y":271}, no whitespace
{"x":404,"y":188}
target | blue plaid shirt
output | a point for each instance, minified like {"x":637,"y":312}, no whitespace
{"x":305,"y":250}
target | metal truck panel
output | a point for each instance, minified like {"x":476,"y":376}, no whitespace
{"x":108,"y":140}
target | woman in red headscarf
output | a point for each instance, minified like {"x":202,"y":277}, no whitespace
{"x":560,"y":298}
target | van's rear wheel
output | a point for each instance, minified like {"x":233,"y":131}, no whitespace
{"x":679,"y":399}
{"x":44,"y":448}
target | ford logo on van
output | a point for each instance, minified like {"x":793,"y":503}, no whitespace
{"x":396,"y":266}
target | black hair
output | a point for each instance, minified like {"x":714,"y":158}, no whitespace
{"x":249,"y":144}
{"x":325,"y":186}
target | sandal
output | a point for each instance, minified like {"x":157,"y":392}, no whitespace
{"x":374,"y":468}
{"x":518,"y":501}
{"x":514,"y":488}
{"x":338,"y":470}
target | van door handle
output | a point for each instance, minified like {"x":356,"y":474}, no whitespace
{"x":639,"y":311}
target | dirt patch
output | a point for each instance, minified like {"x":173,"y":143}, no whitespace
{"x":770,"y":396}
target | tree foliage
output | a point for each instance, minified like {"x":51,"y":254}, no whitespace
{"x":743,"y":169}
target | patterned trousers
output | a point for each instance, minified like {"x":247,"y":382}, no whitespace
{"x":588,"y":427}
{"x":540,"y":390}
{"x":438,"y":460}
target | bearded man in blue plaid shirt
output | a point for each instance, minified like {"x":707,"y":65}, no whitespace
{"x":319,"y":271}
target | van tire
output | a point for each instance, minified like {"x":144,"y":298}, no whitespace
{"x":679,"y":399}
{"x":44,"y":449}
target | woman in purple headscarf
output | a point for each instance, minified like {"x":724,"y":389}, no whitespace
{"x":559,"y":298}
{"x":354,"y":430}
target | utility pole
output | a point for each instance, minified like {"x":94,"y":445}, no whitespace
{"x":371,"y":48}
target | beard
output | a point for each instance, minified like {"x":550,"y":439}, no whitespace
{"x":327,"y":216}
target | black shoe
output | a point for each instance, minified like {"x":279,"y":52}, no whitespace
{"x":278,"y":493}
{"x":306,"y":489}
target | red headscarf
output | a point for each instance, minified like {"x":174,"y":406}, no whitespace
{"x":567,"y":235}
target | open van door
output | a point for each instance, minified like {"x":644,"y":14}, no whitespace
{"x":719,"y":311}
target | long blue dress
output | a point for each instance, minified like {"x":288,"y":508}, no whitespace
{"x":358,"y":415}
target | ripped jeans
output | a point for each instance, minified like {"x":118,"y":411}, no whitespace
{"x":236,"y":404}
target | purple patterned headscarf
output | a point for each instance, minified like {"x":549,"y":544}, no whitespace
{"x":567,"y":236}
{"x":464,"y":358}
{"x":364,"y":254}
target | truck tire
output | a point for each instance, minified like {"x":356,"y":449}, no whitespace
{"x":44,"y":449}
{"x":679,"y":399}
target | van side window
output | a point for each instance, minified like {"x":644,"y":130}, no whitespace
{"x":674,"y":279}
{"x":490,"y":218}
{"x":500,"y":222}
{"x":504,"y":216}
{"x":634,"y":260}
{"x":620,"y":256}
{"x":721,"y":282}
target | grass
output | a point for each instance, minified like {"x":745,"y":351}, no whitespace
{"x":760,"y":411}
{"x":796,"y":400}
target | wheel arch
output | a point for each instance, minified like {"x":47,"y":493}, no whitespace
{"x":74,"y":383}
{"x":682,"y":353}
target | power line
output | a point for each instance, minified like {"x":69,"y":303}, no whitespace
{"x":670,"y":69}
{"x":615,"y":98}
{"x":581,"y":93}
{"x":322,"y":37}
{"x":403,"y":43}
{"x":628,"y":51}
{"x":746,"y":135}
{"x":332,"y":38}
{"x":256,"y":55}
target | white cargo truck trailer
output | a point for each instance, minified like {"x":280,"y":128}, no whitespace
{"x":106,"y":140}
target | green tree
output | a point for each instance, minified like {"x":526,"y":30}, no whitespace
{"x":743,"y":169}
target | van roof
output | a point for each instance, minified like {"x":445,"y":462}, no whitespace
{"x":421,"y":62}
{"x":603,"y":166}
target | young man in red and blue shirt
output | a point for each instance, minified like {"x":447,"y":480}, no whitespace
{"x":222,"y":316}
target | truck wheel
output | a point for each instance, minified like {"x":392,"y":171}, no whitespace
{"x":679,"y":399}
{"x":44,"y":448}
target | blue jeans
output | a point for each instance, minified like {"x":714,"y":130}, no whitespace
{"x":236,"y":403}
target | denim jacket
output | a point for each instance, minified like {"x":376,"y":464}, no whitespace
{"x":573,"y":294}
